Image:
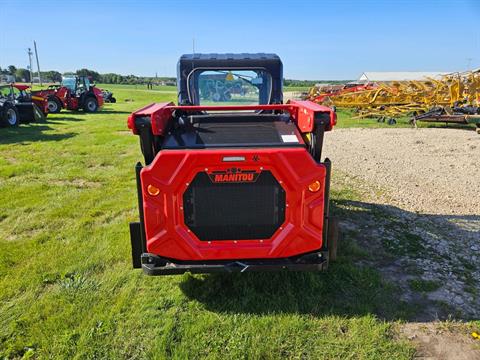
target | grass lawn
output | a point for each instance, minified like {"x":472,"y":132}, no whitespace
{"x":67,"y":289}
{"x":304,"y":89}
{"x":143,"y":88}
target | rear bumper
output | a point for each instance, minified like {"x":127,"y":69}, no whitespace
{"x":155,"y":265}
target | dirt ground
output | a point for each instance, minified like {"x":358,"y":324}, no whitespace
{"x":421,"y":185}
{"x":438,"y":341}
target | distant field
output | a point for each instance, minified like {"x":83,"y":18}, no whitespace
{"x":296,"y":88}
{"x":174,"y":88}
{"x":112,"y":87}
{"x":126,"y":87}
{"x":346,"y":119}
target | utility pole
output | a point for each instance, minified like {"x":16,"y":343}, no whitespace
{"x":30,"y":67}
{"x":193,"y":45}
{"x":38,"y":64}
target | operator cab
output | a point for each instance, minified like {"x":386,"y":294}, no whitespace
{"x":76,"y":83}
{"x":70,"y":83}
{"x":229,"y":79}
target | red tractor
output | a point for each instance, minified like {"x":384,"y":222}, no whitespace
{"x":23,"y":94}
{"x":75,"y":93}
{"x":18,"y":105}
{"x":239,"y":186}
{"x":320,"y":95}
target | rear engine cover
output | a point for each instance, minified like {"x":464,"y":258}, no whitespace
{"x":224,"y":204}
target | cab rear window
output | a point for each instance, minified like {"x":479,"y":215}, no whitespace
{"x":229,"y":87}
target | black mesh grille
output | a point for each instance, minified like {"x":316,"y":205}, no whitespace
{"x":234,"y":133}
{"x":234,"y":211}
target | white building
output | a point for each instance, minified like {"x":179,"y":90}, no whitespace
{"x":374,"y":76}
{"x":7,"y":79}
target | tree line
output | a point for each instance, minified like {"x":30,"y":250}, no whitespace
{"x":22,"y":74}
{"x":112,"y":78}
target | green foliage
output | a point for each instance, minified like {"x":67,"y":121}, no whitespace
{"x":91,"y":73}
{"x":112,"y":78}
{"x":22,"y":75}
{"x":424,"y":285}
{"x":309,"y":83}
{"x":12,"y":70}
{"x":52,"y":75}
{"x":347,"y":118}
{"x":8,"y":70}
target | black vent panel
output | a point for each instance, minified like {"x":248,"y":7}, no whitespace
{"x":235,"y":133}
{"x":234,"y":211}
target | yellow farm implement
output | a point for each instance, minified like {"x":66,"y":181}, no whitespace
{"x":389,"y":100}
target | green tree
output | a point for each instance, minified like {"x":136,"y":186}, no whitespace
{"x":12,"y":70}
{"x":87,"y":72}
{"x":52,"y":75}
{"x":22,"y":74}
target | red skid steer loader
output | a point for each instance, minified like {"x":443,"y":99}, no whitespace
{"x":232,"y":183}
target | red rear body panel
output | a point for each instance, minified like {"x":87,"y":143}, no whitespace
{"x":173,"y":170}
{"x":41,"y":102}
{"x":331,"y":94}
{"x":38,"y":98}
{"x":21,"y":87}
{"x":98,"y":96}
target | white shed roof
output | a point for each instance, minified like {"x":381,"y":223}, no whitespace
{"x":400,"y":75}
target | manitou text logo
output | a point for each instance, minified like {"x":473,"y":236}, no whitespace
{"x":233,"y":175}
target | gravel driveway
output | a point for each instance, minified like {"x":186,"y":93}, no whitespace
{"x":432,"y":171}
{"x":420,"y":204}
{"x":425,"y":182}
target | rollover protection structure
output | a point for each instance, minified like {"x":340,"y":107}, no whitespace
{"x":233,"y":178}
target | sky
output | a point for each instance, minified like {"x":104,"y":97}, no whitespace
{"x":329,"y":40}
